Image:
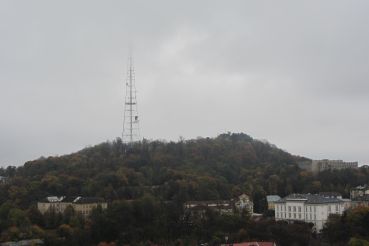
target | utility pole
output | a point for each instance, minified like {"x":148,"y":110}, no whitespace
{"x":131,"y":129}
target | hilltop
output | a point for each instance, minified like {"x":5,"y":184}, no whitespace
{"x":198,"y":169}
{"x":147,"y":183}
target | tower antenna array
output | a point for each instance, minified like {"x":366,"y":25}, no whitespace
{"x":131,"y":129}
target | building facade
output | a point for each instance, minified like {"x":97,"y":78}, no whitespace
{"x":3,"y":180}
{"x":82,"y":205}
{"x":323,"y":165}
{"x":244,"y":202}
{"x":199,"y":208}
{"x":271,"y":199}
{"x":310,"y":208}
{"x":251,"y":244}
{"x":359,"y":191}
{"x":360,"y":196}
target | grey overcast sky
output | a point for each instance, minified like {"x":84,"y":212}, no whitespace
{"x":292,"y":72}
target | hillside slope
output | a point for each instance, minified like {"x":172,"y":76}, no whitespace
{"x":205,"y":168}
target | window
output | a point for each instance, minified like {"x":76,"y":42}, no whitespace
{"x":289,"y":208}
{"x":299,"y":209}
{"x":294,"y":216}
{"x":289,"y":215}
{"x":336,"y":207}
{"x":314,"y":209}
{"x":299,"y":216}
{"x":294,"y":208}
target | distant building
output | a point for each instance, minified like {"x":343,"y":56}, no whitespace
{"x":360,"y":196}
{"x":330,"y":195}
{"x":323,"y":165}
{"x":358,"y":191}
{"x":271,"y":199}
{"x":199,"y":208}
{"x":244,"y":203}
{"x":361,"y":201}
{"x":310,"y":208}
{"x":251,"y":244}
{"x":82,"y":205}
{"x":29,"y":242}
{"x":3,"y":180}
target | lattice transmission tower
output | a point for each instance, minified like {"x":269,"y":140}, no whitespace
{"x":131,"y":128}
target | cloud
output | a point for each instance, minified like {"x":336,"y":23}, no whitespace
{"x":294,"y":73}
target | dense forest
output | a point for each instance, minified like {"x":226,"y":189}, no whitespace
{"x":146,"y":184}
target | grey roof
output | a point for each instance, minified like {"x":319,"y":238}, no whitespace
{"x":310,"y":199}
{"x":73,"y":199}
{"x":330,"y":194}
{"x":273,"y":198}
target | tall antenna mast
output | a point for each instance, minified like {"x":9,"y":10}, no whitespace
{"x":131,"y":129}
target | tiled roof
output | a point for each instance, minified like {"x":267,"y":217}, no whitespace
{"x":310,"y":199}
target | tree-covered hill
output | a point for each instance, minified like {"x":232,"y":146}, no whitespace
{"x":146,"y":185}
{"x":204,"y":168}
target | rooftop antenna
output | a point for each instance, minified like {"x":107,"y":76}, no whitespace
{"x":131,"y":129}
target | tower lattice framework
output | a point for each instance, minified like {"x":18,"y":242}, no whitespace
{"x":131,"y":129}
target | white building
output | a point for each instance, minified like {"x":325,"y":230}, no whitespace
{"x":323,"y":165}
{"x":309,"y":208}
{"x":82,"y":205}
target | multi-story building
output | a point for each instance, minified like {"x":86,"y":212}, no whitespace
{"x":198,"y":208}
{"x":244,"y":202}
{"x":358,"y":191}
{"x":361,"y":201}
{"x":323,"y":165}
{"x":251,"y":244}
{"x":310,"y":208}
{"x":3,"y":180}
{"x":82,"y":205}
{"x":360,"y":196}
{"x":271,"y":199}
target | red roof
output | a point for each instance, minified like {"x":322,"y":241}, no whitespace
{"x":253,"y":244}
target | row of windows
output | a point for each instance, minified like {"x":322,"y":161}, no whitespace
{"x":293,"y":208}
{"x":295,"y":216}
{"x":307,"y":208}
